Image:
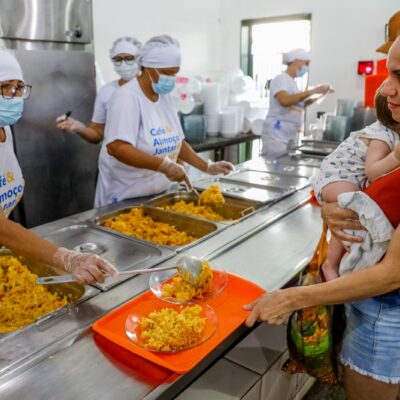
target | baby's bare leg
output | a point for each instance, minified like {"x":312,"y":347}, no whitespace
{"x":330,"y":267}
{"x":330,"y":192}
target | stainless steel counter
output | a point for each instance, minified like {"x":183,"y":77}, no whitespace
{"x":71,"y":362}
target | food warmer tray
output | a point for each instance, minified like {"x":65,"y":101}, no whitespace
{"x":245,"y":190}
{"x":300,"y":159}
{"x":234,"y":210}
{"x":199,"y":228}
{"x":317,"y":147}
{"x":269,"y":179}
{"x":75,"y":292}
{"x":124,"y":254}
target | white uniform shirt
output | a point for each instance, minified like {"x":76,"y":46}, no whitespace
{"x":292,"y":114}
{"x":153,"y":128}
{"x":11,"y":180}
{"x":102,"y":102}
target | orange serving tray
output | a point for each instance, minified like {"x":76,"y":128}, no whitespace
{"x":228,"y":307}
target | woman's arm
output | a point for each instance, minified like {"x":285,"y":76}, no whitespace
{"x":380,"y":160}
{"x":286,"y":100}
{"x":130,"y":155}
{"x":384,"y":277}
{"x":93,"y":133}
{"x":188,"y":155}
{"x":25,"y":243}
{"x":85,"y":268}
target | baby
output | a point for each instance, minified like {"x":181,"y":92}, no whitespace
{"x":363,"y":157}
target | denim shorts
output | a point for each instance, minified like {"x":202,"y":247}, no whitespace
{"x":371,"y":344}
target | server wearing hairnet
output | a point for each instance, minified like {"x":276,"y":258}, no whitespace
{"x":85,"y":268}
{"x":124,"y":54}
{"x":143,"y":137}
{"x":285,"y":114}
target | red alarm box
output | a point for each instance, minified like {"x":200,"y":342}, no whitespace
{"x":365,"y":67}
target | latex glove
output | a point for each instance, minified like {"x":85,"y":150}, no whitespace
{"x":173,"y":171}
{"x":219,"y":167}
{"x":85,"y":268}
{"x":68,"y":124}
{"x":322,"y":89}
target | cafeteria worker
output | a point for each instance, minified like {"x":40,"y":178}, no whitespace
{"x":287,"y":103}
{"x":85,"y":268}
{"x":123,"y":53}
{"x":143,"y":136}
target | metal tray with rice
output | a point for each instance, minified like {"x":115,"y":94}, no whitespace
{"x":199,"y":229}
{"x":74,"y":292}
{"x":234,"y":209}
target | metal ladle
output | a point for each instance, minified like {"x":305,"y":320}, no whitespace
{"x":189,"y":186}
{"x":186,"y":265}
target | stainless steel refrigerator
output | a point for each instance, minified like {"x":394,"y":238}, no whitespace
{"x":53,"y":41}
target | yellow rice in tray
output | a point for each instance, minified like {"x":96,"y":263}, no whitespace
{"x":211,"y":197}
{"x":183,"y":291}
{"x":169,"y":330}
{"x":193,"y":209}
{"x":136,"y":223}
{"x":22,"y":301}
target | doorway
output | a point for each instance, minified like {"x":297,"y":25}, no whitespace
{"x":263,"y":42}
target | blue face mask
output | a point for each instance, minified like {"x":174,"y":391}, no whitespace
{"x":301,"y":71}
{"x":10,"y":110}
{"x":165,"y":84}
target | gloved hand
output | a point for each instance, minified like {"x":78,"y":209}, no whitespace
{"x":219,"y":167}
{"x":322,"y":89}
{"x":173,"y":171}
{"x":68,"y":124}
{"x":85,"y":268}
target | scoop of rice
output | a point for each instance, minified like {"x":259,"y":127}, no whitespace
{"x":212,"y":196}
{"x":182,"y":290}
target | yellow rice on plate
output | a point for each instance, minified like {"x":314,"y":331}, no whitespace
{"x":22,"y":301}
{"x":136,"y":223}
{"x":169,"y":330}
{"x":181,"y":290}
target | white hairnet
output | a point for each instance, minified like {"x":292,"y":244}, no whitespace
{"x":295,"y":54}
{"x":126,"y":44}
{"x":9,"y":67}
{"x":161,"y":52}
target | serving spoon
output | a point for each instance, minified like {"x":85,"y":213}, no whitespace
{"x":187,"y":266}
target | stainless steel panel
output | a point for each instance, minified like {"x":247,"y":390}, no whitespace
{"x":298,"y":159}
{"x":59,"y":169}
{"x":234,"y":209}
{"x":75,"y":292}
{"x":269,"y":179}
{"x":198,"y":228}
{"x":124,"y":254}
{"x":47,"y":20}
{"x":245,"y":190}
{"x":261,"y":164}
{"x":318,"y":147}
{"x":276,"y":252}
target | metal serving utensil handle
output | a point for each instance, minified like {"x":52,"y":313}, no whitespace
{"x":52,"y":280}
{"x":147,"y":271}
